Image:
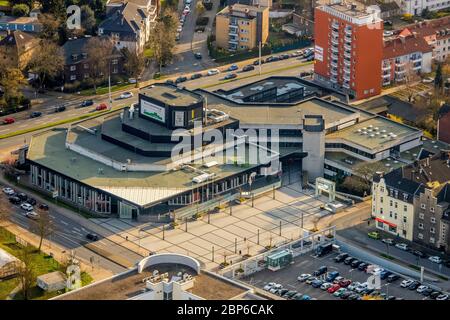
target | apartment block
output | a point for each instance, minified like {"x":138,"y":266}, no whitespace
{"x":405,"y":56}
{"x":242,"y":27}
{"x":349,"y":48}
{"x":416,"y":7}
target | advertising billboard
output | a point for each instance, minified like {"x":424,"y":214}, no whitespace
{"x":153,"y":111}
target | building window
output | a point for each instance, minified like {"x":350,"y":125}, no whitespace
{"x":390,"y":203}
{"x":405,"y":208}
{"x":420,"y":226}
{"x":420,"y":236}
{"x":390,"y":214}
{"x":432,"y":209}
{"x":404,"y":219}
{"x":395,"y":216}
{"x":395,"y":205}
{"x":432,"y":230}
{"x":73,"y":77}
{"x":381,"y":199}
{"x":423,"y":206}
{"x":73,"y":68}
{"x":421,"y":215}
{"x":433,"y":220}
{"x":431,"y":239}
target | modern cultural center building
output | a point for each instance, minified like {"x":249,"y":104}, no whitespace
{"x":123,"y":163}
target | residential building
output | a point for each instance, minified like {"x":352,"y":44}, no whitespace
{"x":76,"y":61}
{"x":348,"y":48}
{"x":242,"y":27}
{"x":25,"y":24}
{"x":443,"y":123}
{"x":437,"y":34}
{"x":416,"y":7}
{"x":405,"y":56}
{"x":129,"y":23}
{"x":17,"y":48}
{"x":411,"y":201}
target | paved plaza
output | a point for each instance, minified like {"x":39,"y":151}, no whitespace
{"x":247,"y":230}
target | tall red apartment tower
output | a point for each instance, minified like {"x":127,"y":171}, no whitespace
{"x":349,"y":48}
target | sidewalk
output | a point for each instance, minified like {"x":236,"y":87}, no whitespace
{"x":105,"y":233}
{"x":59,"y":253}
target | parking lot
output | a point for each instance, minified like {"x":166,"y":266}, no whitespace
{"x":307,"y":264}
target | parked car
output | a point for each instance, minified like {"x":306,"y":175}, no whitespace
{"x":353,"y":286}
{"x":169,"y":81}
{"x":43,"y":206}
{"x":363,"y":266}
{"x":196,"y":76}
{"x":269,"y":286}
{"x":392,"y":277}
{"x":339,"y":292}
{"x":355,"y":263}
{"x":348,"y":260}
{"x":414,"y":285}
{"x":198,"y":55}
{"x":340,"y":257}
{"x":281,"y":292}
{"x":427,"y":292}
{"x":361,"y":288}
{"x":26,"y":206}
{"x":256,"y":62}
{"x":335,"y":287}
{"x":289,"y":294}
{"x":35,"y":114}
{"x":434,"y":294}
{"x":230,"y":76}
{"x":310,"y":280}
{"x":297,"y":296}
{"x":326,"y":285}
{"x":388,"y":241}
{"x":435,"y":259}
{"x":180,"y":79}
{"x":32,"y":215}
{"x":303,"y":277}
{"x":32,"y":201}
{"x":331,"y":276}
{"x":338,"y":279}
{"x":233,"y":67}
{"x":8,"y":120}
{"x":248,"y":68}
{"x":306,"y":297}
{"x":126,"y":95}
{"x":384,"y":274}
{"x":354,"y":296}
{"x":402,"y":246}
{"x":406,"y":283}
{"x":92,"y":236}
{"x":275,"y":288}
{"x":132,"y":80}
{"x":442,"y":297}
{"x":345,"y":283}
{"x":87,"y":103}
{"x":284,"y":56}
{"x":22,"y":196}
{"x":422,"y":288}
{"x":320,"y":271}
{"x":374,"y":235}
{"x":317,"y":283}
{"x":272,"y":59}
{"x":8,"y":191}
{"x":14,"y":200}
{"x":101,"y":106}
{"x":213,"y":72}
{"x":346,"y":294}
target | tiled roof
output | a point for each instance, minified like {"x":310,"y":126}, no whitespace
{"x":405,"y":43}
{"x":23,"y":41}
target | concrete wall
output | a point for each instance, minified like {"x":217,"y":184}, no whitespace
{"x":173,"y":258}
{"x":314,"y":145}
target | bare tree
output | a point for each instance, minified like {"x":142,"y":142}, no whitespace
{"x":47,"y":62}
{"x":26,"y":271}
{"x":99,"y":53}
{"x":43,"y":226}
{"x":5,"y":211}
{"x":134,"y":64}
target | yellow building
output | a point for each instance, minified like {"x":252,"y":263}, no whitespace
{"x":242,"y":27}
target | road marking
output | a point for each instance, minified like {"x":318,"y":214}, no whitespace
{"x":76,"y":229}
{"x":77,"y":233}
{"x":64,"y":223}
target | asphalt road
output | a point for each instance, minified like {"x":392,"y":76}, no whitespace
{"x":73,"y":110}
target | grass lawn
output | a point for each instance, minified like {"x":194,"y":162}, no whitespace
{"x":42,"y":264}
{"x":4,"y":3}
{"x":104,"y":90}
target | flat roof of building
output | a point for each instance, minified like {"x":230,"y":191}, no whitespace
{"x":130,"y":284}
{"x":353,"y":9}
{"x":139,"y":187}
{"x":278,"y":114}
{"x":379,"y":132}
{"x":171,"y":95}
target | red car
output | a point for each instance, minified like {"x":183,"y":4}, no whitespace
{"x":101,"y":106}
{"x":345,"y":283}
{"x":335,"y":287}
{"x":8,"y":120}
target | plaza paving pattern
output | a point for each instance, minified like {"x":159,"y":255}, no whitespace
{"x":225,"y":231}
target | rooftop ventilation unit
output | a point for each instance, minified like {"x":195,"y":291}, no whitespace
{"x":211,"y":164}
{"x":203,"y":177}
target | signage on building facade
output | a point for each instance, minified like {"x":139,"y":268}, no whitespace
{"x":153,"y":111}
